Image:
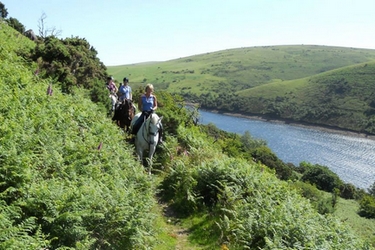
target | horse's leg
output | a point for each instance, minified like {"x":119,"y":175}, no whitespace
{"x":139,"y":153}
{"x":151,"y":152}
{"x":149,"y":165}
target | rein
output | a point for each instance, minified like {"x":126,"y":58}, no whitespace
{"x":146,"y":131}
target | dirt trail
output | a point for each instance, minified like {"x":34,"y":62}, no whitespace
{"x":179,"y":233}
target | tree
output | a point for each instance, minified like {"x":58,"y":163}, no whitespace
{"x":44,"y":31}
{"x":321,"y":176}
{"x":3,"y":11}
{"x":268,"y":158}
{"x":15,"y":24}
{"x":250,"y":143}
{"x":72,"y":62}
{"x":371,"y":190}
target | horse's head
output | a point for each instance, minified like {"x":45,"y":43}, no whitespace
{"x":153,"y":124}
{"x":124,"y":114}
{"x":148,"y":135}
{"x":128,"y":109}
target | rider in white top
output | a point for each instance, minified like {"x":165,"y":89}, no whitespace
{"x":112,"y":88}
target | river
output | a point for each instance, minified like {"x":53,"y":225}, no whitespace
{"x":351,"y":157}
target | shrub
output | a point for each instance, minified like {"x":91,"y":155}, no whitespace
{"x":177,"y":187}
{"x":367,"y":207}
{"x":371,"y":190}
{"x":320,"y":202}
{"x":265,"y":156}
{"x":321,"y":176}
{"x":348,"y":191}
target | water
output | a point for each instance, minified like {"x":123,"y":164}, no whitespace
{"x":351,"y":158}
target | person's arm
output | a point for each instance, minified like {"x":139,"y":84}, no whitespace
{"x":130,"y":94}
{"x":155,"y":103}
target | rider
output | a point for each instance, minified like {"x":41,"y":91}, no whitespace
{"x":148,"y":104}
{"x":112,"y":88}
{"x":125,"y":91}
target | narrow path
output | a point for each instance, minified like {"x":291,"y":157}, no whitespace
{"x":176,"y":230}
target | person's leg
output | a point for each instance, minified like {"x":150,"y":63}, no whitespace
{"x":161,"y":133}
{"x":137,"y":124}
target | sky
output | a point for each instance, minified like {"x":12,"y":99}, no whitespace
{"x":134,"y":31}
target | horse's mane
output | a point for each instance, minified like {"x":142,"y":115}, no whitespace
{"x":127,"y":103}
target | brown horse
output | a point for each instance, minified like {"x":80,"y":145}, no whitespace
{"x":124,"y":114}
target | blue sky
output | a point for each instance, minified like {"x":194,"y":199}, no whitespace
{"x":133,"y":31}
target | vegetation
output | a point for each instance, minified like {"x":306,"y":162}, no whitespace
{"x":321,"y":85}
{"x":69,"y":180}
{"x":66,"y":178}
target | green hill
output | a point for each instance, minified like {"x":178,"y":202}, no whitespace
{"x":66,"y":178}
{"x":69,"y":180}
{"x":282,"y":82}
{"x":341,"y":98}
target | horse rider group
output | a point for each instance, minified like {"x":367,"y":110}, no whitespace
{"x":147,"y":102}
{"x":121,"y":93}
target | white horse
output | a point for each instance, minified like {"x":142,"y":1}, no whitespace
{"x":113,"y":98}
{"x":147,"y":136}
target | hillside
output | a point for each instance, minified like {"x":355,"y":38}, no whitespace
{"x":69,"y":179}
{"x":255,"y":80}
{"x":66,"y":178}
{"x":341,"y":98}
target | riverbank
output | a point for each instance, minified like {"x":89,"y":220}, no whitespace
{"x":348,"y":154}
{"x":320,"y":127}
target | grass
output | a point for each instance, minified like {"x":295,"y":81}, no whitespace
{"x":244,"y":67}
{"x":201,"y":227}
{"x":165,"y":236}
{"x":309,"y":76}
{"x":66,"y":149}
{"x":347,"y":212}
{"x":316,"y":84}
{"x":174,"y":233}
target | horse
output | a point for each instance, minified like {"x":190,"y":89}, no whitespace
{"x":124,"y":114}
{"x":113,"y":98}
{"x":147,"y":136}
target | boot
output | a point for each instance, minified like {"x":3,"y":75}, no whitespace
{"x":161,"y":135}
{"x":132,"y":139}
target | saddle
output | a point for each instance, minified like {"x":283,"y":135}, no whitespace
{"x":138,"y":123}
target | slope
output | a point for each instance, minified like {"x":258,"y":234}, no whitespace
{"x":238,"y":69}
{"x":69,"y":181}
{"x":232,"y":80}
{"x":343,"y":98}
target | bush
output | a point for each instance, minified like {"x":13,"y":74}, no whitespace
{"x":177,"y":188}
{"x":348,"y":191}
{"x":321,"y":176}
{"x":320,"y":202}
{"x":371,"y":190}
{"x":265,"y":156}
{"x":367,"y":207}
{"x":67,"y":180}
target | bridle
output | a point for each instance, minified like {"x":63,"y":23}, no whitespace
{"x":146,"y":131}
